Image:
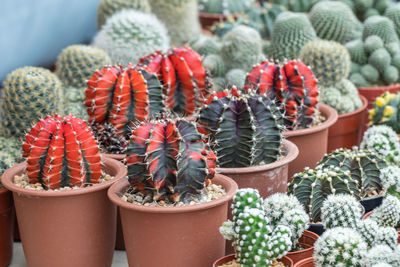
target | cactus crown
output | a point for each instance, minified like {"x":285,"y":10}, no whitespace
{"x":168,"y":159}
{"x":244,"y":129}
{"x":62,"y":152}
{"x":292,"y":84}
{"x":385,"y":111}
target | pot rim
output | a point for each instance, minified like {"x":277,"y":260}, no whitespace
{"x":388,"y":87}
{"x":121,"y":185}
{"x":355,"y":112}
{"x":303,"y":261}
{"x":329,"y":112}
{"x":8,"y":177}
{"x":291,"y":154}
{"x":118,"y":157}
{"x":309,"y":234}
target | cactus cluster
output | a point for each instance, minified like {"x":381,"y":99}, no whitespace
{"x":381,"y":256}
{"x":224,"y":7}
{"x":62,"y":152}
{"x":386,"y":111}
{"x":296,"y":6}
{"x":129,"y":35}
{"x":364,"y":9}
{"x":384,"y":141}
{"x":393,"y":13}
{"x":167,"y":159}
{"x":244,"y":129}
{"x":292,"y":84}
{"x":28,"y":94}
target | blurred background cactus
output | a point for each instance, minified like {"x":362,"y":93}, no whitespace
{"x":386,"y":111}
{"x":225,"y":7}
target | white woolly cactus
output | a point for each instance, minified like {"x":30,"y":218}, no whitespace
{"x":369,"y":231}
{"x":384,"y":141}
{"x":341,"y":211}
{"x":388,"y":213}
{"x":387,"y":236}
{"x":390,"y":177}
{"x":339,"y":247}
{"x":382,"y":255}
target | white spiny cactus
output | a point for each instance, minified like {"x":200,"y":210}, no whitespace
{"x":388,"y":213}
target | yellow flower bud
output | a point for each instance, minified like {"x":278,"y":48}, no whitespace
{"x":371,"y":114}
{"x":388,"y":111}
{"x":380,"y":101}
{"x":389,"y":96}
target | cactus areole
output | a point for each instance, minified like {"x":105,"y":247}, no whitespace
{"x":186,"y":82}
{"x":292,"y":84}
{"x":168,"y":159}
{"x":62,"y":152}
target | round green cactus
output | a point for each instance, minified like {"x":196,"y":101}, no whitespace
{"x":215,"y":64}
{"x":382,"y":27}
{"x":76,"y":64}
{"x":356,"y":51}
{"x":393,"y":48}
{"x":369,"y":231}
{"x":219,"y":84}
{"x":393,"y":13}
{"x":372,"y":43}
{"x":388,"y":213}
{"x":329,"y":61}
{"x":391,"y":75}
{"x":28,"y":94}
{"x":344,"y":97}
{"x":341,"y":211}
{"x":130,"y":35}
{"x":236,"y":77}
{"x":107,"y":8}
{"x":330,"y":96}
{"x":296,"y":6}
{"x":370,"y":73}
{"x":206,"y":45}
{"x":380,"y":59}
{"x":359,"y":80}
{"x":225,"y":7}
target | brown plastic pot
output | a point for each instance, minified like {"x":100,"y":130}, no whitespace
{"x":311,"y":142}
{"x":309,"y":262}
{"x":346,"y":131}
{"x":307,"y":241}
{"x":267,"y":179}
{"x":285,"y":260}
{"x":207,"y":20}
{"x":6,"y":227}
{"x":173,"y":236}
{"x":369,"y":213}
{"x":66,"y":228}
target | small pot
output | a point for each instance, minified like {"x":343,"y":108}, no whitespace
{"x":285,"y":260}
{"x":119,"y":157}
{"x":311,"y":142}
{"x":371,"y":203}
{"x":369,"y":213}
{"x":347,"y":130}
{"x":6,"y":227}
{"x":307,"y":241}
{"x":267,"y":179}
{"x":316,"y":228}
{"x":173,"y":236}
{"x":66,"y":228}
{"x":207,"y":20}
{"x":309,"y":262}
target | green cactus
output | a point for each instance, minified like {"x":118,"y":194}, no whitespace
{"x":235,"y":77}
{"x":382,"y":27}
{"x":180,"y":17}
{"x":391,"y":75}
{"x":388,"y":213}
{"x":220,"y":84}
{"x":76,"y":109}
{"x":206,"y":45}
{"x":107,"y":8}
{"x":330,"y":96}
{"x":76,"y":64}
{"x":340,"y":247}
{"x":333,"y":20}
{"x":386,"y":111}
{"x":393,"y":48}
{"x":355,"y":68}
{"x":369,"y":231}
{"x":370,"y":73}
{"x":344,"y":97}
{"x":357,"y":52}
{"x":380,"y":59}
{"x":225,"y":7}
{"x":396,"y":61}
{"x":367,"y":8}
{"x":6,"y":162}
{"x":130,"y":35}
{"x":215,"y":64}
{"x":295,"y":6}
{"x":12,"y":147}
{"x":372,"y":43}
{"x":359,"y":80}
{"x":329,"y":61}
{"x":244,"y":129}
{"x":290,"y":33}
{"x":393,"y":13}
{"x":241,"y":48}
{"x":28,"y":94}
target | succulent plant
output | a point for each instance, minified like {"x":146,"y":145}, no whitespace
{"x":108,"y":138}
{"x":107,"y":8}
{"x":206,"y":45}
{"x":244,"y":129}
{"x":385,"y":111}
{"x":382,"y":27}
{"x":76,"y":63}
{"x":292,"y":84}
{"x":388,"y":213}
{"x":215,"y":64}
{"x":295,"y":6}
{"x":384,"y":141}
{"x":393,"y":13}
{"x":235,"y":77}
{"x":62,"y":152}
{"x":387,"y":236}
{"x":225,"y":7}
{"x":357,"y":52}
{"x":329,"y":61}
{"x":340,"y":247}
{"x":390,"y":177}
{"x":186,"y":82}
{"x":180,"y":17}
{"x":372,"y":43}
{"x":369,"y":231}
{"x":129,"y":35}
{"x":28,"y":94}
{"x":290,"y":33}
{"x":6,"y":162}
{"x":381,"y":256}
{"x":167,"y":159}
{"x":120,"y":96}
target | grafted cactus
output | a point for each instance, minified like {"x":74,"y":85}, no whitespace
{"x":186,"y":82}
{"x":120,"y":96}
{"x":292,"y":84}
{"x":341,"y":211}
{"x":168,"y":159}
{"x":62,"y":152}
{"x":244,"y":129}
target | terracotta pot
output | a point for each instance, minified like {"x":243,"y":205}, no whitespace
{"x":66,"y":228}
{"x":6,"y":227}
{"x":269,"y":178}
{"x":285,"y":260}
{"x":347,"y":130}
{"x":173,"y":236}
{"x":119,"y":157}
{"x":207,"y":20}
{"x":307,"y":241}
{"x":311,"y":142}
{"x":369,"y":213}
{"x":309,"y":262}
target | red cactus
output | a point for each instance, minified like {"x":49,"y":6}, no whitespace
{"x":169,"y":159}
{"x":62,"y":152}
{"x":184,"y":78}
{"x":293,"y":84}
{"x":123,"y":95}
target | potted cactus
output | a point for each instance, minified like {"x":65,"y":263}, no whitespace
{"x":385,"y":111}
{"x":168,"y":203}
{"x":245,"y":132}
{"x":64,"y":180}
{"x":293,"y":85}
